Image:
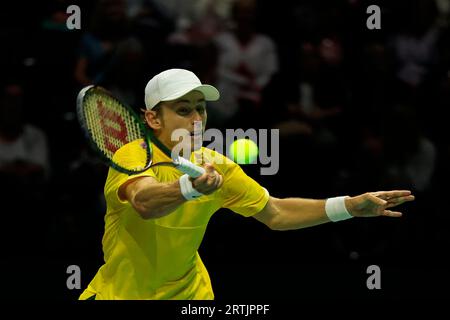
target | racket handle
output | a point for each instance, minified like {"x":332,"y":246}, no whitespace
{"x":188,"y":167}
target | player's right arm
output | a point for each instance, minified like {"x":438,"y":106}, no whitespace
{"x":150,"y":198}
{"x":153,"y":199}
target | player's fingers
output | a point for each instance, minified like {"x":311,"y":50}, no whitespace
{"x":209,"y":168}
{"x":209,"y":181}
{"x":393,"y":214}
{"x":217,"y":181}
{"x":203,"y":187}
{"x":220,"y":181}
{"x":212,"y":184}
{"x":209,"y":172}
{"x":397,"y":201}
{"x":214,"y":180}
{"x":206,"y":183}
{"x":386,"y":195}
{"x":200,"y":180}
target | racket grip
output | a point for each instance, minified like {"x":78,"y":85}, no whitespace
{"x":189,"y":168}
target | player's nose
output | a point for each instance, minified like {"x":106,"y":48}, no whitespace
{"x":197,"y":116}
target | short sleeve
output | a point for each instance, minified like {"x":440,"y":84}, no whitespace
{"x":129,"y":155}
{"x":242,"y":194}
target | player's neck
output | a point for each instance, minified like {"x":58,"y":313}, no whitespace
{"x":161,"y":146}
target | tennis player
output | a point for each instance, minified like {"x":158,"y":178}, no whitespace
{"x":156,"y":220}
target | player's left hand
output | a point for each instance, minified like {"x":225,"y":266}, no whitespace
{"x":372,"y":204}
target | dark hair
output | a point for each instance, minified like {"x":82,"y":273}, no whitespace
{"x":158,"y":109}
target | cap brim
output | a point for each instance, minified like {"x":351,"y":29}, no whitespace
{"x":210,"y":92}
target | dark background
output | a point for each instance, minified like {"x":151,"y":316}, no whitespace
{"x":376,"y":122}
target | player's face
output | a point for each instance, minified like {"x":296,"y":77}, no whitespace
{"x":183,"y":113}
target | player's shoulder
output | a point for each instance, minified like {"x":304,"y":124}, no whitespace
{"x":133,"y":148}
{"x":132,"y":154}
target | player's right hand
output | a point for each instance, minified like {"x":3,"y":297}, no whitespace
{"x":208,"y":182}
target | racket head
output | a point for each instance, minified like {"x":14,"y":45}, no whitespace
{"x":108,"y":125}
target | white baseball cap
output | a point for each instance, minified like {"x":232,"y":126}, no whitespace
{"x":173,"y":84}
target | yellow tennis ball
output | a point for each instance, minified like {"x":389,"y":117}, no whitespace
{"x":244,"y":151}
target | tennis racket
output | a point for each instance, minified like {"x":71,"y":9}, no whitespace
{"x":108,"y":124}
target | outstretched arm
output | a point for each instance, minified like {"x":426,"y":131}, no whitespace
{"x":297,"y":213}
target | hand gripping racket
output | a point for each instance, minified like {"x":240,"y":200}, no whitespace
{"x":109,"y":124}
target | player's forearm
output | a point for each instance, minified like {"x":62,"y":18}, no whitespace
{"x":158,"y":200}
{"x":298,"y":213}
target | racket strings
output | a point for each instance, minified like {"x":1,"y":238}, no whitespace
{"x":110,"y":125}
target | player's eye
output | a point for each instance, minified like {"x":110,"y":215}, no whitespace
{"x":183,"y":111}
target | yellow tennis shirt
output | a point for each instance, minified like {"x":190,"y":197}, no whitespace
{"x":158,"y":258}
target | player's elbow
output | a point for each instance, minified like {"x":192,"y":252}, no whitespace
{"x":271,"y":215}
{"x":145,"y":213}
{"x":276,"y":225}
{"x":273,"y":223}
{"x":148,"y":212}
{"x":278,"y":222}
{"x":145,"y":209}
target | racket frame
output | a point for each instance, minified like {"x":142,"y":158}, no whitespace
{"x":88,"y":135}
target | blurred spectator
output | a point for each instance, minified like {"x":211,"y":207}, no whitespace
{"x":51,"y":63}
{"x":410,"y":156}
{"x":436,"y":98}
{"x":107,"y":41}
{"x":394,"y":152}
{"x":196,"y":24}
{"x":151,"y":22}
{"x":397,"y":151}
{"x":247,"y":61}
{"x":414,"y":46}
{"x":315,"y":113}
{"x":373,"y":81}
{"x":126,"y":77}
{"x":443,"y":7}
{"x":198,"y":21}
{"x":55,"y":14}
{"x":24,"y":172}
{"x":23,"y":147}
{"x":321,"y":86}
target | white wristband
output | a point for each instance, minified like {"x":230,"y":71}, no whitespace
{"x":187,"y":189}
{"x":336,"y":210}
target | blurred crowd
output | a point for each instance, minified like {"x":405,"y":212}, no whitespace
{"x":358,"y":110}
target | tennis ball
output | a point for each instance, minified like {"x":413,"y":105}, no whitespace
{"x":243,"y":151}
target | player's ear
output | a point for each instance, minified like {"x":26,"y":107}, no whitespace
{"x":153,"y":119}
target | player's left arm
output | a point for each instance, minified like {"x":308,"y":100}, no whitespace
{"x":297,"y":213}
